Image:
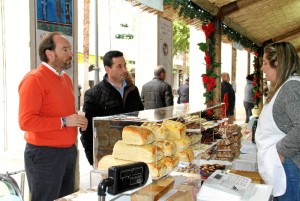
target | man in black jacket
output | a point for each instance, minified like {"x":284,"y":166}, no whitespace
{"x":115,"y":94}
{"x":227,"y":89}
{"x":157,"y":93}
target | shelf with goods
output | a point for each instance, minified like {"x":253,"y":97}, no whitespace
{"x":108,"y":137}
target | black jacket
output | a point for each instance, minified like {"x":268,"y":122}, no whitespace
{"x":104,"y":100}
{"x":226,"y":87}
{"x":157,"y":93}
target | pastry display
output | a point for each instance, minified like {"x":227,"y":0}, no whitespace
{"x":157,"y":169}
{"x":168,"y":147}
{"x":170,"y":163}
{"x":183,"y":143}
{"x":186,"y":155}
{"x":176,"y":129}
{"x":161,"y":132}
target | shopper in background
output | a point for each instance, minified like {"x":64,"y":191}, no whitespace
{"x":277,"y":134}
{"x":183,"y":92}
{"x":157,"y":93}
{"x":227,"y":90}
{"x":47,"y":115}
{"x":132,"y":74}
{"x":115,"y":94}
{"x":248,"y":97}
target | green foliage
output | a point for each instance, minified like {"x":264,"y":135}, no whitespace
{"x":202,"y":46}
{"x":235,"y":36}
{"x":181,"y":35}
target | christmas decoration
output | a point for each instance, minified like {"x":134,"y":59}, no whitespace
{"x":256,"y":79}
{"x":209,"y":78}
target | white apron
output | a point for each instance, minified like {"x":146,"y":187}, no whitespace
{"x":267,"y":135}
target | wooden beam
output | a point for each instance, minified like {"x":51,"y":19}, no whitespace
{"x":206,"y":5}
{"x":286,"y":35}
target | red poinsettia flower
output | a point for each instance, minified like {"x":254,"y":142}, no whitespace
{"x":211,"y":83}
{"x":211,"y":102}
{"x":205,"y":79}
{"x":209,"y":112}
{"x":257,"y":94}
{"x":208,"y":29}
{"x":207,"y":61}
{"x":254,"y":84}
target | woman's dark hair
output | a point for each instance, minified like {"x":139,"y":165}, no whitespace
{"x":47,"y":43}
{"x":250,"y":77}
{"x":107,"y":59}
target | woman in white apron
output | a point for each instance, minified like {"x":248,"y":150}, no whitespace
{"x":278,"y":130}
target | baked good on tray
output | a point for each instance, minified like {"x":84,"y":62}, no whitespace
{"x":137,"y":135}
{"x":145,"y":153}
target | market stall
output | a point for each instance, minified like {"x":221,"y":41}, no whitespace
{"x":184,"y":147}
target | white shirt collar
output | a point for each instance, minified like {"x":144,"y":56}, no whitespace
{"x":53,"y":70}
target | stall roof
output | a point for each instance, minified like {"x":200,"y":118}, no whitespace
{"x":261,"y":21}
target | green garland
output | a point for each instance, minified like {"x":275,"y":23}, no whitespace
{"x":256,"y":79}
{"x":191,"y":10}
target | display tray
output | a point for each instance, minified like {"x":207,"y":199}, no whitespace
{"x":194,"y":169}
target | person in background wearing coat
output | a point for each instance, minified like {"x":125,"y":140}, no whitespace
{"x":248,"y":97}
{"x":277,"y":135}
{"x":115,"y":94}
{"x":183,"y":92}
{"x":49,"y":118}
{"x":157,"y":93}
{"x":226,"y":88}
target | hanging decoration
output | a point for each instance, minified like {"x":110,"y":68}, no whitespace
{"x":256,"y":79}
{"x":209,"y":78}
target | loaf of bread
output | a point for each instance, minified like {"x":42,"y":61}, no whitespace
{"x":186,"y":155}
{"x":108,"y":161}
{"x":183,"y":143}
{"x":168,"y":147}
{"x":160,"y":132}
{"x":137,"y":135}
{"x":176,"y":129}
{"x":145,"y":153}
{"x":170,"y":163}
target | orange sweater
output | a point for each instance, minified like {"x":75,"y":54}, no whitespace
{"x":44,"y":98}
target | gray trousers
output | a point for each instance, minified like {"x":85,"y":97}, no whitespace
{"x":50,"y":171}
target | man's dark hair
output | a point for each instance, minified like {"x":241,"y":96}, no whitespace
{"x":107,"y":59}
{"x":47,"y":43}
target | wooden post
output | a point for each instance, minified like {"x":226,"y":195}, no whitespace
{"x":218,"y":34}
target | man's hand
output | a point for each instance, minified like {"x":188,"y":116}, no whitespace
{"x":77,"y":120}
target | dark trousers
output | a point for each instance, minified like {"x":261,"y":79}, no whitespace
{"x":50,"y":171}
{"x":248,"y":109}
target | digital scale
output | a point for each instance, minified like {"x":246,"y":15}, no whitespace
{"x":123,"y":178}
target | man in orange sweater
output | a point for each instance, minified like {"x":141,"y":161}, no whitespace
{"x":47,"y":115}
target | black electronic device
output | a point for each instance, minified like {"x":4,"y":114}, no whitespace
{"x":127,"y":177}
